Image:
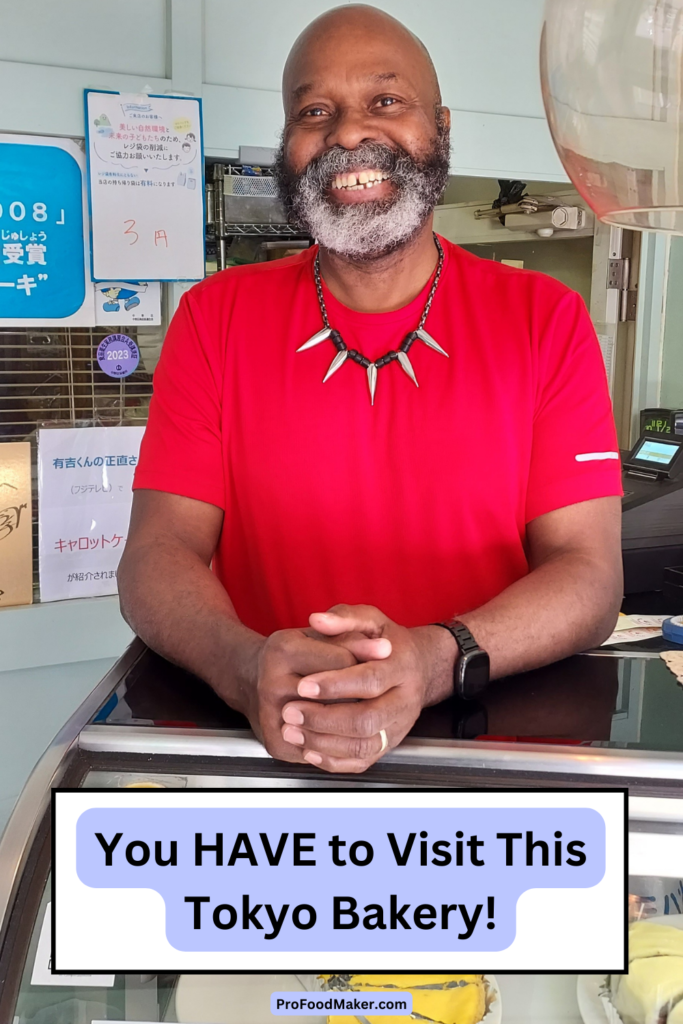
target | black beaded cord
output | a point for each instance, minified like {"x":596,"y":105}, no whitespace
{"x":357,"y":357}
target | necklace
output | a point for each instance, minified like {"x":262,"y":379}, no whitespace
{"x":400,"y":354}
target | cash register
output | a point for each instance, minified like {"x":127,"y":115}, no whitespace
{"x":652,"y":509}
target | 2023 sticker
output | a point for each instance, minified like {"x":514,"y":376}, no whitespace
{"x":118,"y":355}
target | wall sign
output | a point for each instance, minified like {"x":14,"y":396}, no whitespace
{"x":146,"y":186}
{"x":16,"y":557}
{"x":43,"y":236}
{"x":120,"y":303}
{"x":118,"y":355}
{"x":85,"y":478}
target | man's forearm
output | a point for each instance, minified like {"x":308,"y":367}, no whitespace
{"x":565,"y":605}
{"x":176,"y":605}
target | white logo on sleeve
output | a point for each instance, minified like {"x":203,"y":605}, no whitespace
{"x":596,"y":456}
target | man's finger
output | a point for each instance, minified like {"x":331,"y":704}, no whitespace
{"x":357,"y":748}
{"x":365,"y":649}
{"x":345,"y":618}
{"x":360,"y":720}
{"x":303,"y":655}
{"x":359,"y":682}
{"x":336,"y":765}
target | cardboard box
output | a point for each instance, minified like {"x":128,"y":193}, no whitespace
{"x":16,"y":548}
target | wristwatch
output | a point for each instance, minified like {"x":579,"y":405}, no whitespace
{"x":471,"y":670}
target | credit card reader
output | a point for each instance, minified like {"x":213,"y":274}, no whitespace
{"x":656,"y":457}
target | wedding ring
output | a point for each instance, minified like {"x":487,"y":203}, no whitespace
{"x":385,"y":741}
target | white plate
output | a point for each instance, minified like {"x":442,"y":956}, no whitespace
{"x":594,"y":1009}
{"x":597,"y":1010}
{"x":495,"y":1014}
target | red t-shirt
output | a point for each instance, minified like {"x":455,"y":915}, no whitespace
{"x":418,"y":504}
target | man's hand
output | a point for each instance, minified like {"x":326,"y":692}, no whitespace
{"x":284,"y":658}
{"x":386,"y":694}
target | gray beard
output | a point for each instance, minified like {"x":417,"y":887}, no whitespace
{"x":366,"y":231}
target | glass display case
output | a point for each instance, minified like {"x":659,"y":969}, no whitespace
{"x":593,"y":720}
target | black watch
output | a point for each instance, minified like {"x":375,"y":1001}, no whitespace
{"x":471,"y":670}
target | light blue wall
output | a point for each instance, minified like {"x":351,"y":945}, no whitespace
{"x":231,"y":52}
{"x":62,"y":631}
{"x":130,"y":39}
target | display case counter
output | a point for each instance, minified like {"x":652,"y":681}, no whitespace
{"x":592,"y":720}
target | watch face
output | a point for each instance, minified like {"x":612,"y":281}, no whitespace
{"x":473,"y":674}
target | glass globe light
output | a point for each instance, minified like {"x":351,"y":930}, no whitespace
{"x":612,"y":81}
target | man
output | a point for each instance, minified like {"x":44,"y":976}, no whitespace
{"x":489,"y":492}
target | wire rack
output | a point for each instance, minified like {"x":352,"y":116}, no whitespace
{"x":51,"y":378}
{"x":266,"y":230}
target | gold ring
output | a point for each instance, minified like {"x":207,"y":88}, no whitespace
{"x":385,"y":741}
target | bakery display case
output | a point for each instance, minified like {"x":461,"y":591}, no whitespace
{"x":612,"y":719}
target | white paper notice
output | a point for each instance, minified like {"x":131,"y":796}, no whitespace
{"x":631,"y":628}
{"x":145,"y":176}
{"x":43,"y":962}
{"x":85,"y":478}
{"x":120,"y":303}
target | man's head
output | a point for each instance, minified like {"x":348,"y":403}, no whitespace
{"x":364,"y":153}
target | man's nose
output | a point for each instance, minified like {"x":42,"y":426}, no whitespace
{"x":350,"y":128}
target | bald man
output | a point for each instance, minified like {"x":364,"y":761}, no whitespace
{"x":380,"y":470}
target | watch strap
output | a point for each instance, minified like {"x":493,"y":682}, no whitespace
{"x":462,"y":636}
{"x":467,"y":648}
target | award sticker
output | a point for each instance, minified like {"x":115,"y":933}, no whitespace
{"x":118,"y":355}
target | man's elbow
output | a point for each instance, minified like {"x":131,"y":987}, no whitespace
{"x":609,"y":589}
{"x":128,"y":585}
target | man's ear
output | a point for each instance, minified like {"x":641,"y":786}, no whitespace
{"x":446,"y":115}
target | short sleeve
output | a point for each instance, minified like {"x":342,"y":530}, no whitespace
{"x":181,"y":450}
{"x":574,"y":455}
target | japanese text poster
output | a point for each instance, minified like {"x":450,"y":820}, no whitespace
{"x":85,"y":478}
{"x":145,"y":177}
{"x":43,"y":233}
{"x":16,"y":548}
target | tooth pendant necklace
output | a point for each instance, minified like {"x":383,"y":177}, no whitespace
{"x":400,"y":354}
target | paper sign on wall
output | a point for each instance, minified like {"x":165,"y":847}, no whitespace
{"x":85,"y":478}
{"x":43,"y":234}
{"x":119,"y":303}
{"x":146,"y":186}
{"x":16,"y":562}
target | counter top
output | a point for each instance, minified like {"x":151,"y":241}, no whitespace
{"x":609,"y":700}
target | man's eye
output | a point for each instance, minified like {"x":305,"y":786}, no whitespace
{"x":314,"y":112}
{"x":387,"y":101}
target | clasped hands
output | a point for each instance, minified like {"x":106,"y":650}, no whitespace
{"x":381,"y":674}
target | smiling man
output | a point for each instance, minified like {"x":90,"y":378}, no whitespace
{"x":352,"y":447}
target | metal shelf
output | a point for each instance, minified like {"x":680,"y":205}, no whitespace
{"x":264,"y":230}
{"x":237,"y":170}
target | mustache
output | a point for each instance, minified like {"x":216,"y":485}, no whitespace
{"x":366,"y":156}
{"x":316,"y":177}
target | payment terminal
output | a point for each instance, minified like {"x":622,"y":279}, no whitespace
{"x":656,"y":457}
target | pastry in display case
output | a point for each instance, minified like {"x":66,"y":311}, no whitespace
{"x":437,"y":998}
{"x":652,"y":991}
